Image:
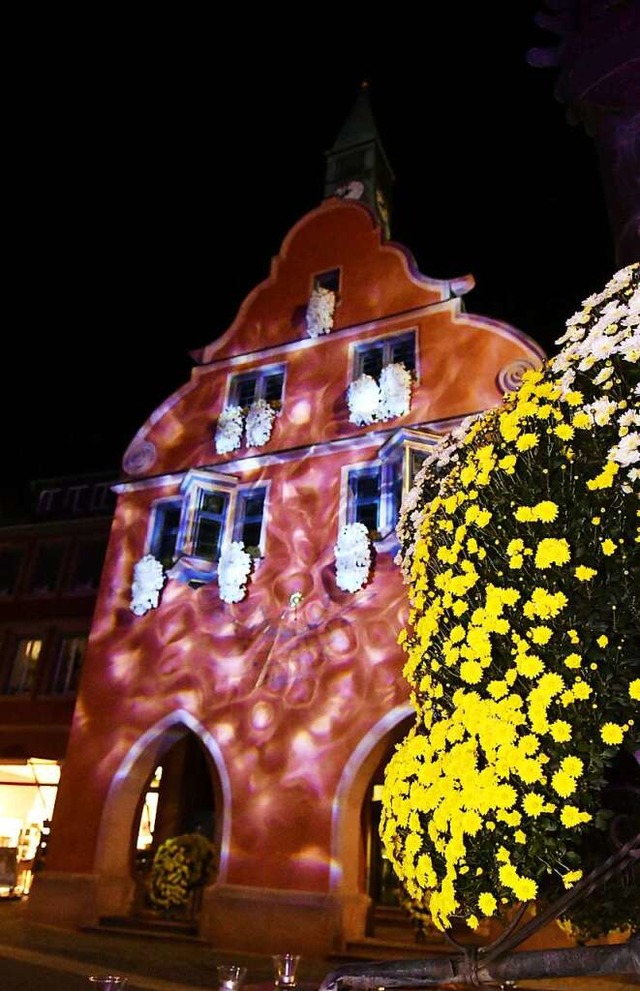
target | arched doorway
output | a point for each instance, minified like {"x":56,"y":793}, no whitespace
{"x":196,"y":792}
{"x":181,"y":796}
{"x":386,"y":915}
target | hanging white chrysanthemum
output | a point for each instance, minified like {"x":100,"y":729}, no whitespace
{"x":233,"y":571}
{"x":229,"y":430}
{"x":259,"y":423}
{"x":320,"y":310}
{"x":395,"y":391}
{"x":148,"y":579}
{"x":363,"y":397}
{"x":353,"y":557}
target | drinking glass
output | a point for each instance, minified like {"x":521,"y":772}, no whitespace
{"x":285,"y":966}
{"x":231,"y":977}
{"x":108,"y":982}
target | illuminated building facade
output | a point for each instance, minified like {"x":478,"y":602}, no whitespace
{"x":244,"y":638}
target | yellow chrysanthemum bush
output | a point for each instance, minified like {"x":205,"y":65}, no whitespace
{"x":520,"y":550}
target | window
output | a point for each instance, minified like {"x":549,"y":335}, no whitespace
{"x":87,"y":566}
{"x":209,"y":525}
{"x":46,"y":572}
{"x":328,"y":280}
{"x":22,"y":678}
{"x":249,"y":518}
{"x":372,"y":357}
{"x":166,"y":527}
{"x":374,"y":496}
{"x":68,"y":665}
{"x":265,"y":383}
{"x":10,"y":561}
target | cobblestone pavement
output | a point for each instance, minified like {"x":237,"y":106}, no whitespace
{"x":34,"y":957}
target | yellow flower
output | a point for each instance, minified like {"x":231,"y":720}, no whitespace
{"x":526,"y":441}
{"x":533,"y":804}
{"x":473,"y":922}
{"x":552,"y":550}
{"x":572,"y":816}
{"x":608,"y":547}
{"x":573,"y":766}
{"x":564,"y":431}
{"x":585,"y":574}
{"x":563,"y":784}
{"x":546,"y":511}
{"x":560,"y":731}
{"x":612,"y":734}
{"x":634,"y":689}
{"x":602,"y":641}
{"x":573,"y":660}
{"x":570,"y":878}
{"x":471,"y":671}
{"x":487,"y":903}
{"x":540,"y":634}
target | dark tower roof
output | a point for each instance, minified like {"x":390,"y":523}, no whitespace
{"x":357,"y":166}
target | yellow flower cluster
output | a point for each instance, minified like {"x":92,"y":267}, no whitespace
{"x":517,"y":652}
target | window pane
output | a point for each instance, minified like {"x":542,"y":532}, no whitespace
{"x":403,"y":351}
{"x":165,"y":533}
{"x":213,"y":502}
{"x":207,"y":542}
{"x":245,"y":391}
{"x":68,"y":665}
{"x":23,"y":672}
{"x":371,"y":361}
{"x":47,"y":568}
{"x":88,"y":566}
{"x":273,"y":387}
{"x":10,"y":560}
{"x":328,"y":280}
{"x":365,"y":498}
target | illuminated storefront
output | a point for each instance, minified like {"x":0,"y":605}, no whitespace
{"x":28,"y":793}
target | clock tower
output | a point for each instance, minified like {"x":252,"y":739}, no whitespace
{"x":357,"y":166}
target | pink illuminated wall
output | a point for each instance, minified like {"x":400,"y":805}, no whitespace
{"x":286,"y":692}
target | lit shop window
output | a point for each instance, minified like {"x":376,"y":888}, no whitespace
{"x":147,"y":823}
{"x":22,"y":677}
{"x":373,"y":498}
{"x":264,"y":383}
{"x":68,"y":665}
{"x":370,"y":358}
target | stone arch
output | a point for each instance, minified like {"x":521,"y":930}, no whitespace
{"x":350,"y":794}
{"x":112,"y":849}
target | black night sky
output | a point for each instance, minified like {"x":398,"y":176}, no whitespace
{"x":157,"y":162}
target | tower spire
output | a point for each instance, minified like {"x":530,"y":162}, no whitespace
{"x":357,"y":166}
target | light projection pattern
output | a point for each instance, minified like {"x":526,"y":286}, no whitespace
{"x":287,"y":680}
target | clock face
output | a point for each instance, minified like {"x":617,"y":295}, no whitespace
{"x":352,"y":191}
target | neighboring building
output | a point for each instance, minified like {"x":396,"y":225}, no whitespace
{"x":268,"y":688}
{"x":51,"y":558}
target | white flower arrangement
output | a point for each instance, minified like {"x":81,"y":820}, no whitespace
{"x":233,"y":571}
{"x":395,"y":391}
{"x":363,"y":397}
{"x":320,"y":310}
{"x":259,"y":423}
{"x":353,"y":557}
{"x":148,"y":579}
{"x":370,"y":402}
{"x":229,"y":430}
